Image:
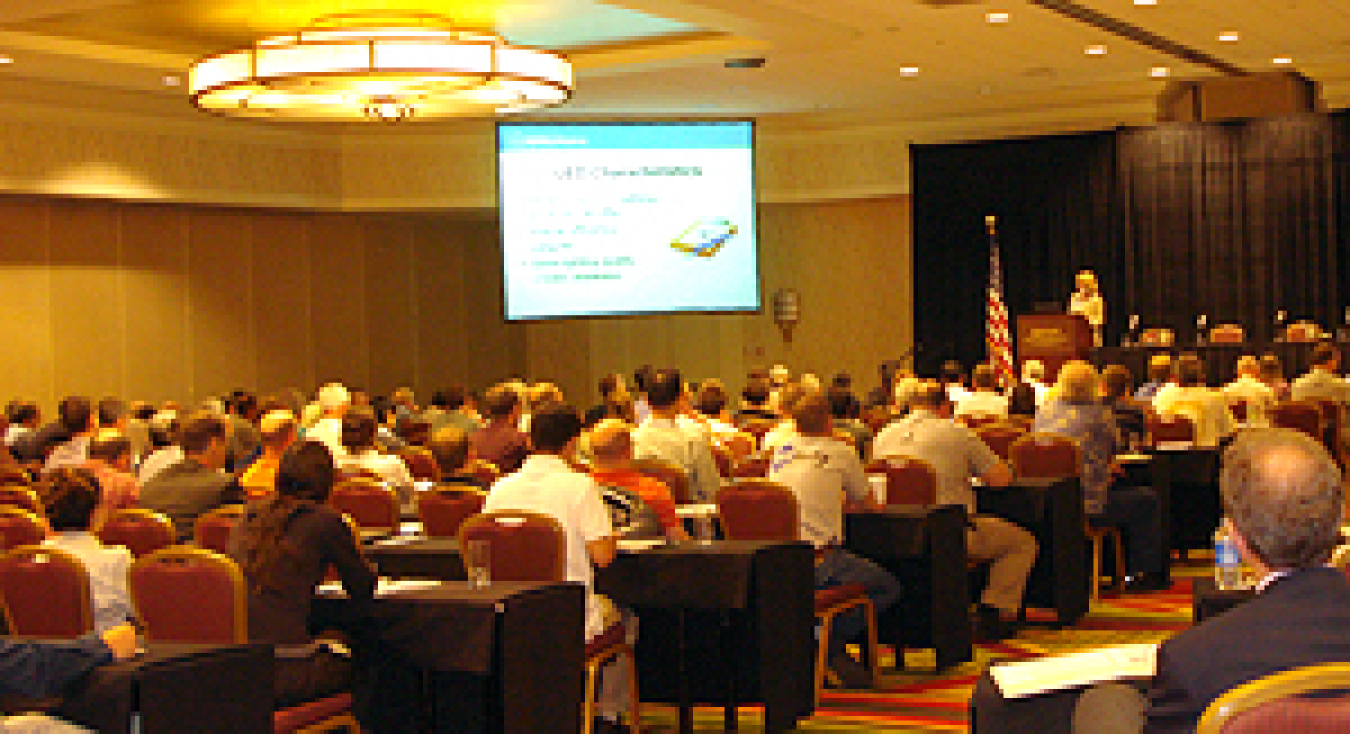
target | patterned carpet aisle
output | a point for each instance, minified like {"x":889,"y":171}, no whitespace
{"x":917,"y":700}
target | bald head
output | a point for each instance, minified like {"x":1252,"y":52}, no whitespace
{"x":612,"y":444}
{"x":1282,"y":492}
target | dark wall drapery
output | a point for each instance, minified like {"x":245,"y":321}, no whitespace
{"x":1231,"y":220}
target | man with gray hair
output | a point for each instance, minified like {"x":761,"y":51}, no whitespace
{"x":333,"y":401}
{"x":1283,"y":496}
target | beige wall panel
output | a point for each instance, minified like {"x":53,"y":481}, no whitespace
{"x":559,"y":352}
{"x":88,"y":305}
{"x":452,"y":167}
{"x":494,"y":348}
{"x":281,"y":301}
{"x":839,"y":164}
{"x":220,"y":312}
{"x":442,"y":328}
{"x":154,"y":267}
{"x":390,"y":313}
{"x":338,"y":300}
{"x":25,"y":285}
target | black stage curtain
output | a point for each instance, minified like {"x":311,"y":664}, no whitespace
{"x":1231,"y":220}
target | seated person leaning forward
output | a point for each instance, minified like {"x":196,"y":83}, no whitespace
{"x":1074,"y":411}
{"x":1284,"y":499}
{"x":284,"y":545}
{"x":71,"y":497}
{"x":826,"y":475}
{"x":958,"y":456}
{"x":546,"y":484}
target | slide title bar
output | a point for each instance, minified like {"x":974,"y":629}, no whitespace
{"x":631,"y":136}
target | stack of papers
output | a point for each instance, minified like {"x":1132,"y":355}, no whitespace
{"x":1062,"y":672}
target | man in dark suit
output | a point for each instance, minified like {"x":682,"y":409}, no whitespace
{"x":195,"y":485}
{"x":1284,"y":500}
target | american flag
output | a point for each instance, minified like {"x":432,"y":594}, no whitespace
{"x":996,"y":325}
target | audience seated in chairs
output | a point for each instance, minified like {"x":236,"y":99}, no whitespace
{"x":1159,"y":375}
{"x":358,"y":442}
{"x":612,"y":466}
{"x":71,"y":497}
{"x":196,"y":484}
{"x":1323,"y":382}
{"x":1248,"y":390}
{"x":277,"y":431}
{"x":1207,"y":408}
{"x":984,"y":401}
{"x":1075,"y":413}
{"x":1129,"y":412}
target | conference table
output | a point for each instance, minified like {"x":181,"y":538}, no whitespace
{"x":210,"y":689}
{"x":1220,"y":360}
{"x":484,"y":664}
{"x":727,"y":622}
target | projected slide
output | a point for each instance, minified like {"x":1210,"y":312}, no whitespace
{"x":602,"y":219}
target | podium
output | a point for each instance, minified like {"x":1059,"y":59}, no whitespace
{"x":1053,"y":339}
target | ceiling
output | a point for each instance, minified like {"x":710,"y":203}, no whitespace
{"x":666,"y":57}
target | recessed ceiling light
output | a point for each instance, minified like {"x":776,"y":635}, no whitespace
{"x":172,"y":80}
{"x":997,"y":18}
{"x":1095,"y":50}
{"x":1230,"y":37}
{"x":1159,"y":72}
{"x":909,"y":71}
{"x":6,"y":60}
{"x":1282,"y":60}
{"x":1145,"y":2}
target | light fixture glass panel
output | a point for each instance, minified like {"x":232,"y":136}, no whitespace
{"x":220,"y":69}
{"x":312,"y":58}
{"x":433,"y":56}
{"x":533,"y":64}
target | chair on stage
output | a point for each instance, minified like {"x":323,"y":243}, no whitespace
{"x":1227,"y":334}
{"x":529,"y":546}
{"x":1157,"y":337}
{"x":46,"y":593}
{"x":372,"y":505}
{"x":673,"y":476}
{"x":999,"y":437}
{"x":909,"y":481}
{"x":1302,"y":331}
{"x":141,"y":531}
{"x":212,"y":530}
{"x":1279,"y":702}
{"x":421,"y":464}
{"x":443,"y":510}
{"x":1169,"y":428}
{"x":20,"y":527}
{"x":1300,"y":415}
{"x":192,"y":595}
{"x":757,"y":509}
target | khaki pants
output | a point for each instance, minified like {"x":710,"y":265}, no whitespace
{"x":1010,"y":551}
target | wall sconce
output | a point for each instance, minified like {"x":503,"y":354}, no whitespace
{"x":787,"y":311}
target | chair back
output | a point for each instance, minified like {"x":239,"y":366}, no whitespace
{"x":21,"y":496}
{"x":672,"y":475}
{"x":1227,"y":334}
{"x":484,"y":471}
{"x":421,"y":464}
{"x":523,"y":546}
{"x":1275,"y":703}
{"x":141,"y":531}
{"x":1299,"y":415}
{"x":1045,"y":455}
{"x":751,"y":467}
{"x":212,"y":530}
{"x":1302,"y":331}
{"x":46,"y":593}
{"x":186,"y":594}
{"x":13,"y":473}
{"x":999,"y":437}
{"x":725,"y":461}
{"x":20,"y":527}
{"x":909,"y":481}
{"x":977,"y":420}
{"x":1169,"y":427}
{"x":758,"y":427}
{"x":1330,"y":413}
{"x":757,"y":509}
{"x":1157,"y":337}
{"x":443,"y":510}
{"x":372,"y":505}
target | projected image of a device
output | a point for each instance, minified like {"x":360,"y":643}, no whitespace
{"x":705,"y":238}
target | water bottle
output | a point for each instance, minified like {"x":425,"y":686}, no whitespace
{"x":1227,"y":563}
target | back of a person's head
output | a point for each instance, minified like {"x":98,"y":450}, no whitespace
{"x":929,"y":395}
{"x":1033,"y":370}
{"x":306,"y":472}
{"x":1159,"y":367}
{"x":199,"y":431}
{"x":1325,"y":354}
{"x":69,"y":497}
{"x":952,"y":371}
{"x":1248,"y":366}
{"x":277,"y":428}
{"x":1271,"y":367}
{"x":141,"y":410}
{"x":609,"y":384}
{"x":789,"y":394}
{"x":642,"y":377}
{"x":665,"y":388}
{"x":500,"y":402}
{"x":21,"y":412}
{"x":413,"y":429}
{"x":450,"y":447}
{"x":75,"y":413}
{"x":611,"y":441}
{"x":1283,"y":492}
{"x":1116,"y":382}
{"x":552,"y":428}
{"x":842,"y":403}
{"x":1189,"y":371}
{"x":711,"y":398}
{"x":842,"y":379}
{"x":811,"y":413}
{"x":756,"y":392}
{"x":333,"y":396}
{"x":1077,"y":382}
{"x":541,"y":394}
{"x":109,"y":445}
{"x":358,"y":429}
{"x":111,"y":410}
{"x":164,"y":428}
{"x":983,"y":377}
{"x":244,"y":404}
{"x":1022,"y":400}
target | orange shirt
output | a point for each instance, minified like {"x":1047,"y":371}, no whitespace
{"x":652,"y":491}
{"x":260,"y":479}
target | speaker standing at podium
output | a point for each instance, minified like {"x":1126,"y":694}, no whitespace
{"x":1087,"y":302}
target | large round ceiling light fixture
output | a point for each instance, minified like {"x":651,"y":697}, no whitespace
{"x":386,"y":67}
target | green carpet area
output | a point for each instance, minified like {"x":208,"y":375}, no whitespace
{"x":918,"y":699}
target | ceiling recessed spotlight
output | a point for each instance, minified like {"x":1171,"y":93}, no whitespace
{"x":1095,"y":49}
{"x":172,"y":80}
{"x":1145,"y":2}
{"x":1230,"y":37}
{"x":997,"y":18}
{"x":6,"y":59}
{"x":1159,"y":72}
{"x":1282,"y":60}
{"x":909,"y":71}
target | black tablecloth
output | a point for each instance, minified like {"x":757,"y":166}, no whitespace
{"x":926,"y":550}
{"x":507,"y":658}
{"x":1188,"y":484}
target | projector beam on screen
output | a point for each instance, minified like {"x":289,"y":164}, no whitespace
{"x":620,"y":219}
